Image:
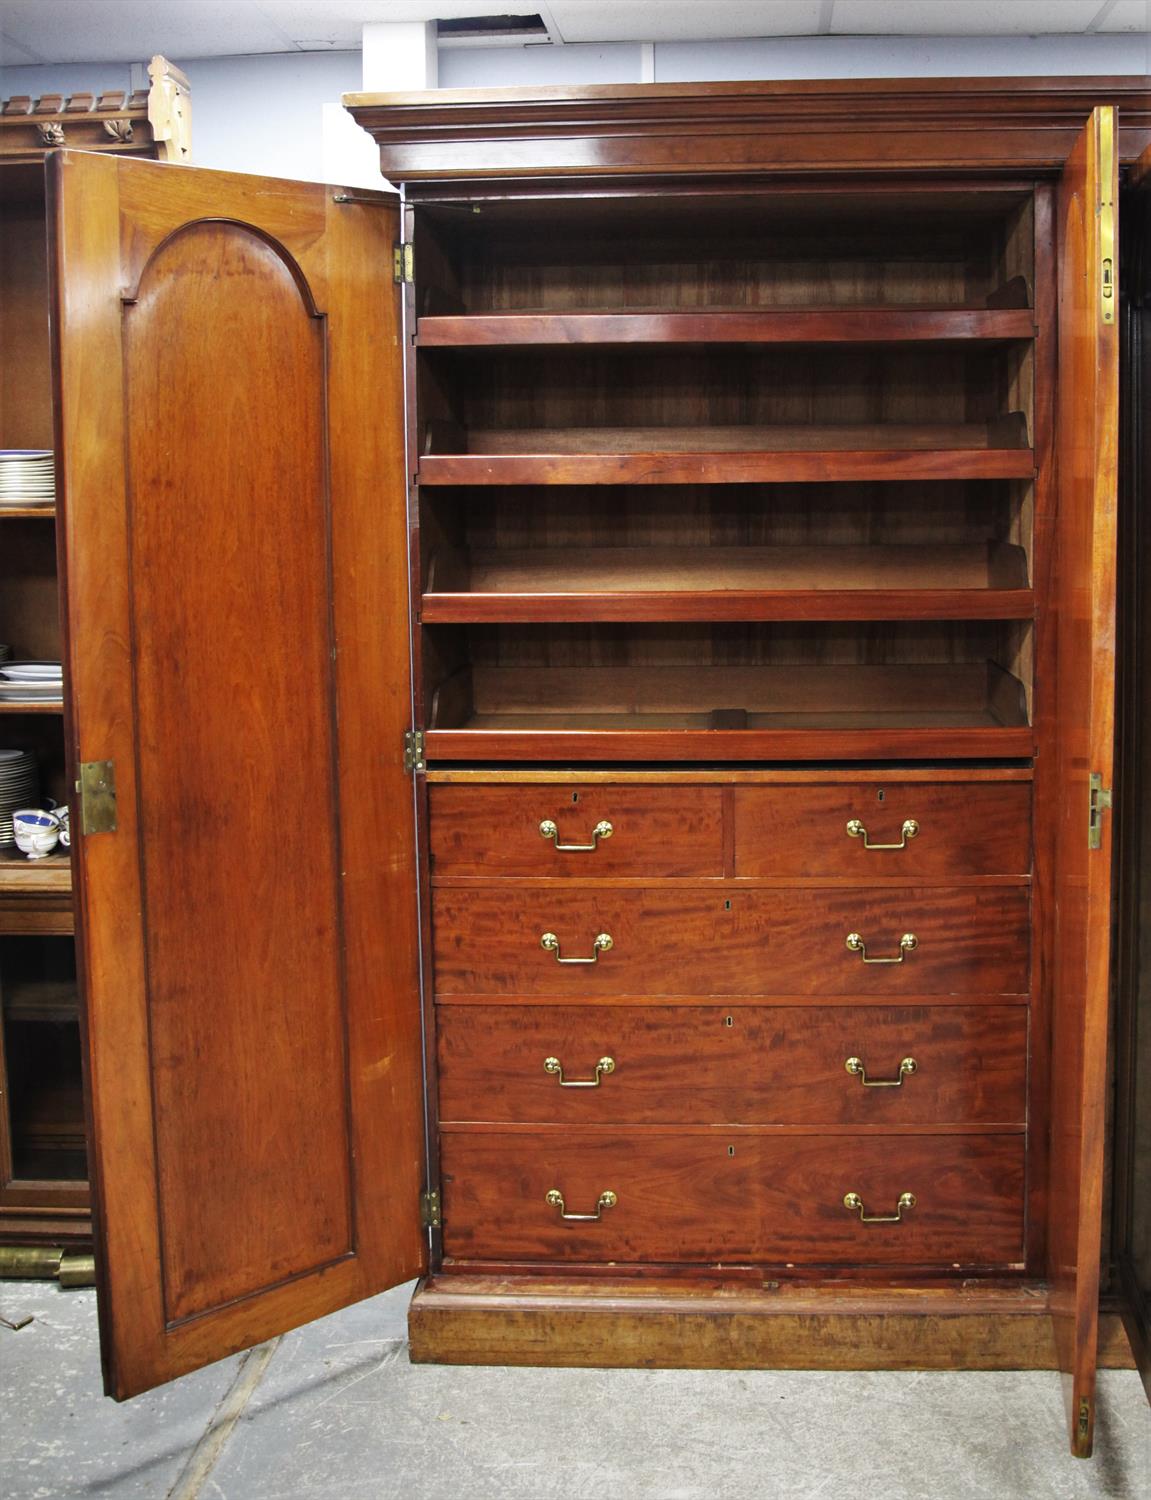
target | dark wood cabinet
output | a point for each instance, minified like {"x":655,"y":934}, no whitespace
{"x":44,"y":1194}
{"x":623,"y":631}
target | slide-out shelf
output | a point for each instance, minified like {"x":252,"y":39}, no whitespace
{"x":730,"y":455}
{"x":654,"y":713}
{"x":840,"y":325}
{"x":975,"y":582}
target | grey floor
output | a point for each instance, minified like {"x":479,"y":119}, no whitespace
{"x":336,"y":1411}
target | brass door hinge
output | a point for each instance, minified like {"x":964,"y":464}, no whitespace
{"x":1107,"y":286}
{"x":1099,"y":804}
{"x":403,"y":263}
{"x":414,"y":750}
{"x":97,"y":791}
{"x":430,"y":1209}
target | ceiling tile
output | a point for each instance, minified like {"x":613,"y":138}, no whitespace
{"x":340,"y":23}
{"x":131,"y":30}
{"x":1128,"y":15}
{"x":680,"y":20}
{"x":971,"y":18}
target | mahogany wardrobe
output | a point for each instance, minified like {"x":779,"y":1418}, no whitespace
{"x":592,"y":689}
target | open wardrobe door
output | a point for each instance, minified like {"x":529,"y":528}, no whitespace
{"x":1085,"y":562}
{"x":1132,"y":1185}
{"x":234,"y":553}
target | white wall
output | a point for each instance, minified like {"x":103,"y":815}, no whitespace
{"x":264,"y":114}
{"x":800,"y":57}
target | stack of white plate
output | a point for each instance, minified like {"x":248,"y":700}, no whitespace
{"x":31,"y":682}
{"x":27,"y":477}
{"x":19,"y":787}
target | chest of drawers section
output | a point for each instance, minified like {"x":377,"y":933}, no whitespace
{"x":770,"y":1018}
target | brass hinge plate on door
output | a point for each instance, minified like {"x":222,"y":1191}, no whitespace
{"x":1107,"y":281}
{"x":1099,"y":804}
{"x":403,"y":263}
{"x":97,"y":791}
{"x":430,"y":1209}
{"x":414,"y":751}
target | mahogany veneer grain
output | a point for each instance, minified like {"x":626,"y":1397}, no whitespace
{"x":777,"y":325}
{"x":707,"y":1065}
{"x":703,"y":1198}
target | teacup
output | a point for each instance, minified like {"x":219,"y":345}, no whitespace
{"x":61,"y":816}
{"x":37,"y":832}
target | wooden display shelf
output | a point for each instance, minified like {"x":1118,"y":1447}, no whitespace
{"x":40,"y":1000}
{"x":827,"y":325}
{"x":19,"y":876}
{"x":732,"y":455}
{"x":978,"y":582}
{"x":688,"y":713}
{"x":45,"y":706}
{"x":50,"y":1119}
{"x":27,"y":512}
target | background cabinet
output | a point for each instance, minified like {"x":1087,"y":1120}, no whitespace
{"x":44,"y":1201}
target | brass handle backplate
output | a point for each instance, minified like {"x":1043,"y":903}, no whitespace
{"x":549,"y":830}
{"x":551,"y":943}
{"x":855,"y":1067}
{"x":605,"y":1065}
{"x":854,"y":1204}
{"x":907,"y":944}
{"x":555,"y":1199}
{"x":856,"y":830}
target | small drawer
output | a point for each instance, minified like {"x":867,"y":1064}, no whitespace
{"x":556,"y":829}
{"x":579,"y":943}
{"x":713,"y":1196}
{"x":753,"y":1065}
{"x":900,"y":829}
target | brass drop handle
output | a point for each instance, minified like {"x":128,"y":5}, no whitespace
{"x":549,"y":830}
{"x":854,"y":1066}
{"x":551,"y":943}
{"x":854,"y":1204}
{"x":555,"y":1199}
{"x":605,"y":1065}
{"x":907,"y":944}
{"x":856,"y":830}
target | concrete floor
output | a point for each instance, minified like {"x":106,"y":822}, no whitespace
{"x":336,"y":1412}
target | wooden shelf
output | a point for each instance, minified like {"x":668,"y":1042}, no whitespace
{"x":27,"y":512}
{"x":672,"y":743}
{"x":732,"y":455}
{"x":730,"y":713}
{"x":35,"y":877}
{"x":978,"y":582}
{"x":45,"y":706}
{"x":842,"y":325}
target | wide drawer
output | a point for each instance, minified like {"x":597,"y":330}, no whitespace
{"x":757,"y":1065}
{"x":899,"y":829}
{"x":968,"y":940}
{"x":654,"y":831}
{"x":713,"y":1196}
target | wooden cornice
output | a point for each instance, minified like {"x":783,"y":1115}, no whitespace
{"x":153,"y":122}
{"x":660,"y":130}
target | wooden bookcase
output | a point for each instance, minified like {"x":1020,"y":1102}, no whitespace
{"x":605,"y":821}
{"x":44,"y":1199}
